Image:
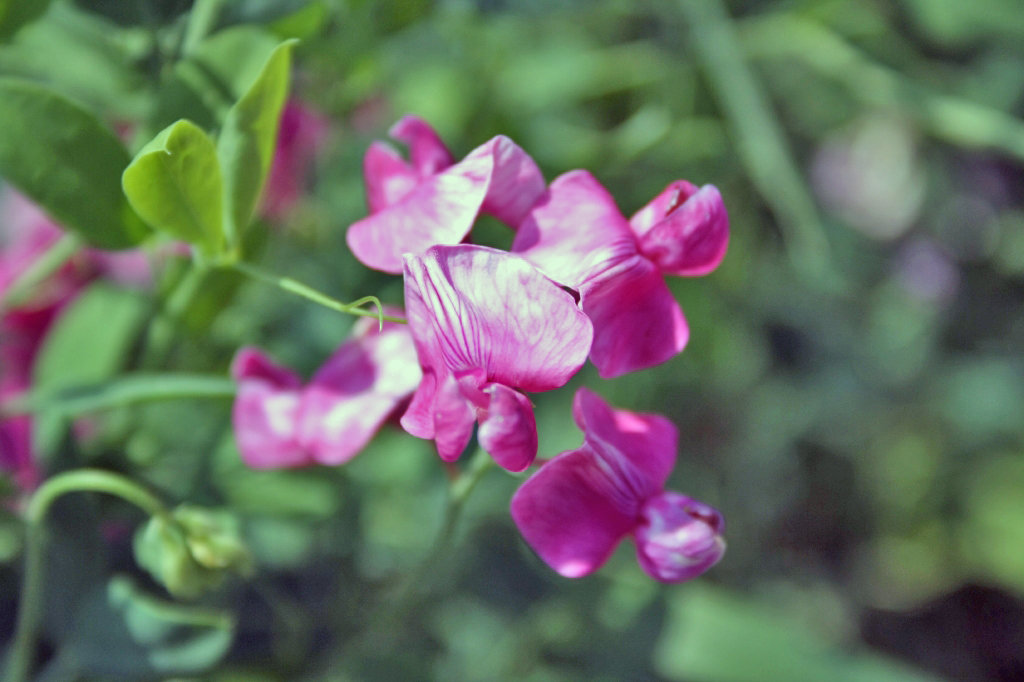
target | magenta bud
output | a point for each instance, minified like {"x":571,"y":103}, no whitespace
{"x":678,"y":538}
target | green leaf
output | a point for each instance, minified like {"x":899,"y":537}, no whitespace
{"x":87,"y":345}
{"x":713,"y":635}
{"x":249,"y":136}
{"x":16,"y":13}
{"x":175,"y":184}
{"x":123,"y":633}
{"x":62,"y":157}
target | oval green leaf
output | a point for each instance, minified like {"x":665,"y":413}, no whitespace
{"x":175,"y":184}
{"x":68,"y":162}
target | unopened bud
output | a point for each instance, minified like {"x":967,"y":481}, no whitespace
{"x":678,"y":538}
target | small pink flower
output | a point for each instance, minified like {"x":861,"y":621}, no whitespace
{"x":577,"y":507}
{"x":301,"y":134}
{"x":576,"y":235}
{"x":428,"y":200}
{"x":279,"y":422}
{"x":488,"y":326}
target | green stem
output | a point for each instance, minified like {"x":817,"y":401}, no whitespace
{"x":31,"y":602}
{"x":760,"y":140}
{"x":128,"y":389}
{"x":160,"y":334}
{"x":298,"y":288}
{"x":40,"y":270}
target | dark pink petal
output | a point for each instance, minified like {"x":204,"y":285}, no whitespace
{"x":508,"y":432}
{"x":685,"y":231}
{"x":439,"y":210}
{"x":678,"y":537}
{"x":567,"y":517}
{"x":426,"y":150}
{"x":387,"y":176}
{"x":356,"y":389}
{"x":647,"y":441}
{"x":453,"y":419}
{"x":575,"y":231}
{"x":472,"y":307}
{"x":637,"y":322}
{"x":515,"y":184}
{"x":301,"y":134}
{"x":266,"y":412}
{"x":16,"y":456}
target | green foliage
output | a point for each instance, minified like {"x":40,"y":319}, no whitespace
{"x":61,"y":156}
{"x":246,"y":142}
{"x":192,"y":550}
{"x":16,"y":13}
{"x":175,"y":184}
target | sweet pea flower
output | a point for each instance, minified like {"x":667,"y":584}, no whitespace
{"x":577,"y":507}
{"x":487,"y":326}
{"x":279,"y":422}
{"x":429,"y":200}
{"x":302,"y":132}
{"x":576,"y":235}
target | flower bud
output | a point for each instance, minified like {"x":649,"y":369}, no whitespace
{"x":678,"y":538}
{"x":192,"y":550}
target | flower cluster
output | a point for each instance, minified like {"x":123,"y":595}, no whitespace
{"x":488,"y":327}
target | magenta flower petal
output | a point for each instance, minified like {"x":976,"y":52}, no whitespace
{"x":480,"y":317}
{"x":280,"y":423}
{"x":566,"y":516}
{"x":493,"y":311}
{"x":678,"y":537}
{"x":508,"y":432}
{"x":430,"y":201}
{"x":637,"y":322}
{"x":427,"y":152}
{"x":685,"y":231}
{"x":352,"y":394}
{"x":266,"y":412}
{"x":575,"y":231}
{"x":301,"y":134}
{"x":515,"y":183}
{"x":648,"y":441}
{"x":388,"y":177}
{"x":439,"y":210}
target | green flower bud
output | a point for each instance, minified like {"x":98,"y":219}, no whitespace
{"x":192,"y":550}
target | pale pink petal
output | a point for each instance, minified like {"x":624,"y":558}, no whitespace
{"x":484,"y":308}
{"x":266,"y":412}
{"x":515,"y":183}
{"x":387,"y":176}
{"x":637,"y":322}
{"x":566,"y":516}
{"x":426,"y":150}
{"x":685,"y":231}
{"x":439,"y":210}
{"x":575,"y":231}
{"x":508,"y":433}
{"x":647,"y":441}
{"x":678,"y":537}
{"x":352,"y":394}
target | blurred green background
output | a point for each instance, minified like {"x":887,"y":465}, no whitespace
{"x":852,"y":397}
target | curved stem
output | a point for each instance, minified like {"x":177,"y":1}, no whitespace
{"x":31,"y":602}
{"x":44,"y":266}
{"x":298,"y":288}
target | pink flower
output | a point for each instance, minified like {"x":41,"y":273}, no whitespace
{"x":279,"y":422}
{"x":577,"y":507}
{"x":576,"y":235}
{"x":488,"y":326}
{"x":415,"y":205}
{"x":301,"y":134}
